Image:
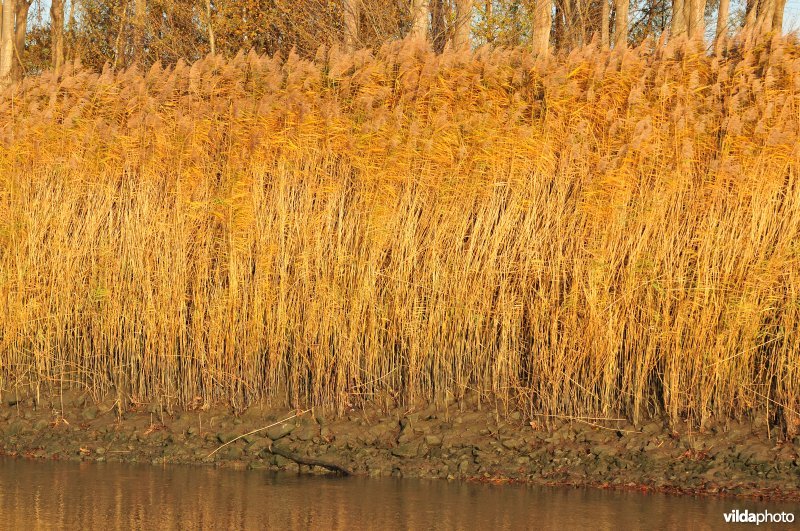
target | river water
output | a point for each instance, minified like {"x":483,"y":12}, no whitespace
{"x":102,"y":496}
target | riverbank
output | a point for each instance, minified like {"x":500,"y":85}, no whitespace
{"x":463,"y":441}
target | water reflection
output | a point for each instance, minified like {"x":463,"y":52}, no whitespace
{"x":50,"y":495}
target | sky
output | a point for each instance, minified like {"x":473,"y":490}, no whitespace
{"x":791,"y":16}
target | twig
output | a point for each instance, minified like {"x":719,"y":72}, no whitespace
{"x":784,"y":406}
{"x":256,"y":431}
{"x":586,"y":420}
{"x":745,"y":351}
{"x":567,"y":417}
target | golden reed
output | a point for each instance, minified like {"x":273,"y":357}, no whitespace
{"x":598,"y":234}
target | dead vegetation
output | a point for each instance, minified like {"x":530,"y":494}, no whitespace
{"x":601,"y":234}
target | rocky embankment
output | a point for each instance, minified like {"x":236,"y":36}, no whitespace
{"x":458,"y":442}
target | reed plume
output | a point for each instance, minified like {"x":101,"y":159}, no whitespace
{"x":600,"y":233}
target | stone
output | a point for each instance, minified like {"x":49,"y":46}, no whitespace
{"x":281,"y":461}
{"x":257,"y":446}
{"x":406,"y":450}
{"x":281,"y":430}
{"x":433,"y":440}
{"x":306,"y":432}
{"x":758,"y":453}
{"x":410,"y":419}
{"x":407,"y":434}
{"x":13,"y":429}
{"x":234,"y":452}
{"x":652,"y":428}
{"x":605,"y":450}
{"x":226,"y":437}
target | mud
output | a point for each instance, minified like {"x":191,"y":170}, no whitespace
{"x":463,"y":441}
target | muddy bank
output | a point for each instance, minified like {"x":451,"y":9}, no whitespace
{"x":461,"y":441}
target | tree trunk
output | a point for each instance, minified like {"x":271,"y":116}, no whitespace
{"x":139,"y":22}
{"x":777,"y":16}
{"x":581,"y":9}
{"x":352,"y":12}
{"x":212,"y":40}
{"x":751,"y":7}
{"x":542,"y":23}
{"x":569,"y":37}
{"x":122,"y":24}
{"x":621,"y":24}
{"x":765,"y":16}
{"x":438,"y":25}
{"x":70,"y":40}
{"x":57,"y":33}
{"x":680,"y":25}
{"x":463,"y":19}
{"x":723,"y":17}
{"x":762,"y":18}
{"x":23,"y":6}
{"x":697,"y":24}
{"x":7,"y":42}
{"x":488,"y":16}
{"x":605,"y":21}
{"x":558,"y":26}
{"x":419,"y":19}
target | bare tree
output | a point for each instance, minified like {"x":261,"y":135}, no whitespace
{"x":57,"y":33}
{"x":696,"y":17}
{"x":621,"y":23}
{"x":123,"y":31}
{"x":352,"y":12}
{"x":439,"y":30}
{"x":605,"y":20}
{"x":763,"y":17}
{"x":71,"y":30}
{"x":23,"y":6}
{"x":419,"y":19}
{"x":140,"y":28}
{"x":7,"y":42}
{"x":462,"y":24}
{"x":777,"y":17}
{"x":723,"y":19}
{"x":680,"y":25}
{"x":542,"y":22}
{"x":212,"y":39}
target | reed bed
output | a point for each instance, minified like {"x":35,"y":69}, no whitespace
{"x":599,"y":234}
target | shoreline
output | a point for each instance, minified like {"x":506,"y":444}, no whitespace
{"x":459,"y":442}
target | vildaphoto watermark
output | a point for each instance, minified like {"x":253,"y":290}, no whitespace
{"x":762,"y":517}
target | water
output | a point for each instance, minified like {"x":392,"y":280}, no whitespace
{"x":86,"y":496}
